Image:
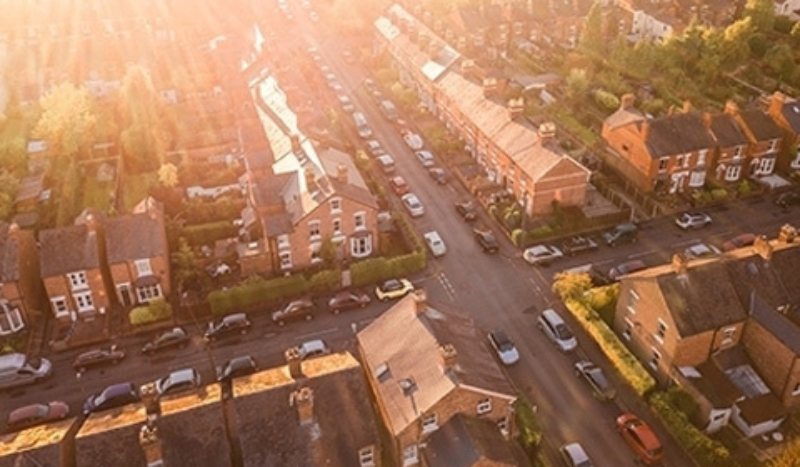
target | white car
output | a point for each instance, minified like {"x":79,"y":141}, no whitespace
{"x":412,"y":204}
{"x":504,"y":347}
{"x":701,"y":250}
{"x":425,"y":158}
{"x":575,"y":456}
{"x":178,"y":381}
{"x":374,"y":148}
{"x":313,"y":348}
{"x":692,"y":220}
{"x":435,"y":243}
{"x":542,"y":254}
{"x":413,"y":140}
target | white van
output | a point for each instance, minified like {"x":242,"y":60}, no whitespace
{"x":17,"y":370}
{"x":557,"y":330}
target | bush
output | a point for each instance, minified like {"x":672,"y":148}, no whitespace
{"x":222,"y":209}
{"x":157,"y":310}
{"x":325,"y":281}
{"x":744,"y":188}
{"x":530,"y":430}
{"x":518,"y":236}
{"x":719,"y":194}
{"x":256,"y":291}
{"x":703,"y":449}
{"x":606,"y":100}
{"x":369,"y":271}
{"x":207,"y":234}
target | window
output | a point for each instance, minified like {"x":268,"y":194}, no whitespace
{"x":283,"y":241}
{"x":313,"y":230}
{"x":796,"y":390}
{"x":360,"y":220}
{"x":679,"y":161}
{"x":148,"y":292}
{"x":728,"y":334}
{"x":737,"y":151}
{"x":59,"y":306}
{"x":687,"y":159}
{"x":733,"y":172}
{"x":143,"y":267}
{"x":285,"y":258}
{"x":773,"y":145}
{"x":767,"y":166}
{"x":366,"y":457}
{"x":663,"y":163}
{"x":655,"y":359}
{"x":84,"y":301}
{"x":337,"y":227}
{"x":10,"y":319}
{"x":314,"y":253}
{"x":429,"y":423}
{"x":628,"y":331}
{"x":410,"y":455}
{"x":361,"y":246}
{"x":78,"y":280}
{"x":661,"y":331}
{"x":484,"y":406}
{"x":336,"y":206}
{"x":502,"y":425}
{"x":701,"y":156}
{"x":632,"y":301}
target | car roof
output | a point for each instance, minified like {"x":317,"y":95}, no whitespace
{"x":575,"y":452}
{"x":118,"y":389}
{"x":314,"y":344}
{"x":500,"y":336}
{"x":186,"y":374}
{"x":25,"y":412}
{"x":241,"y":362}
{"x":235,"y":317}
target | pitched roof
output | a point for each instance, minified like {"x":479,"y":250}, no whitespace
{"x":267,"y":420}
{"x":465,"y":441}
{"x":9,"y":255}
{"x":726,"y":131}
{"x":68,"y":249}
{"x":135,"y":236}
{"x":762,"y":125}
{"x":624,"y":116}
{"x":35,"y":446}
{"x":781,"y":327}
{"x":354,"y":187}
{"x":393,"y":358}
{"x":678,"y":134}
{"x":791,"y":112}
{"x":111,"y":437}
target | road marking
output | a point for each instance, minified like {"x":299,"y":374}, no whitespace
{"x":536,"y":287}
{"x":448,"y":287}
{"x":317,"y":333}
{"x":644,"y":253}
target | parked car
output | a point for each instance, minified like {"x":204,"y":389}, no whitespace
{"x":175,"y":337}
{"x":296,"y":310}
{"x":640,"y":438}
{"x":386,"y":163}
{"x":399,"y":185}
{"x":593,"y":374}
{"x":627,"y":267}
{"x":467,"y":211}
{"x":554,"y":327}
{"x":97,"y":358}
{"x":435,"y":243}
{"x":486,"y":240}
{"x":574,"y":455}
{"x":393,"y":288}
{"x":347,"y":300}
{"x":413,"y":205}
{"x":505,"y":349}
{"x":438,"y":175}
{"x":578,"y":244}
{"x":621,"y":233}
{"x":346,"y":103}
{"x":236,"y":367}
{"x":739,"y":241}
{"x":425,"y":158}
{"x":413,"y":140}
{"x":374,"y":148}
{"x":111,"y":397}
{"x":36,"y":414}
{"x":17,"y":369}
{"x":178,"y":381}
{"x":313,"y":348}
{"x":233,"y":324}
{"x":692,"y":220}
{"x":787,"y":199}
{"x":542,"y":255}
{"x":701,"y":250}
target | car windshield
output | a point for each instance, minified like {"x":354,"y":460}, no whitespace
{"x":503,"y":343}
{"x":596,"y":374}
{"x":392,"y":285}
{"x":563,"y":331}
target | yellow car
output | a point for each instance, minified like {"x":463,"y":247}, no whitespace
{"x":393,"y":288}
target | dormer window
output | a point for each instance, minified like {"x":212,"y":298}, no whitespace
{"x":429,"y":423}
{"x":366,"y":457}
{"x":143,"y":268}
{"x":737,"y":151}
{"x":77,"y":280}
{"x":336,"y":205}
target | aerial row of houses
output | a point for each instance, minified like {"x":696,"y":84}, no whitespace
{"x":686,"y":149}
{"x":727,"y":329}
{"x":514,"y":153}
{"x":84,"y":271}
{"x":419,"y":398}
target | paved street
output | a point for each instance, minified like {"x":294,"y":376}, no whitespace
{"x":499,"y":291}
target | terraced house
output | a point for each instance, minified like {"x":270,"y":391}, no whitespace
{"x":20,"y":284}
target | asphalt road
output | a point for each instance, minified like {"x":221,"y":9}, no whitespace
{"x":498,"y":291}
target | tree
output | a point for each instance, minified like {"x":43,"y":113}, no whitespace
{"x":67,"y":120}
{"x":795,"y":34}
{"x":13,"y":153}
{"x":790,"y":457}
{"x":69,"y":192}
{"x":762,"y":13}
{"x":591,"y":40}
{"x":571,"y":286}
{"x":144,"y":139}
{"x":577,"y":83}
{"x":9,"y":184}
{"x":184,"y":262}
{"x":168,"y":175}
{"x":735,"y":48}
{"x":780,"y":59}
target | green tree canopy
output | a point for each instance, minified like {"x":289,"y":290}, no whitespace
{"x":591,"y":40}
{"x":67,"y":119}
{"x":762,"y":13}
{"x":144,"y":138}
{"x":790,"y":457}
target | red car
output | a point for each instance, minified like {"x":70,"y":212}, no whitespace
{"x":640,"y":438}
{"x":739,"y":241}
{"x":348,"y":300}
{"x":399,"y":185}
{"x":36,"y":414}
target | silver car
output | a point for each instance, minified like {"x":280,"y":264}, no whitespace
{"x":504,"y":347}
{"x":542,"y":255}
{"x":593,"y":374}
{"x":413,"y":205}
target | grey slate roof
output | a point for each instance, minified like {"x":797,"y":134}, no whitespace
{"x":465,"y":441}
{"x":678,"y":134}
{"x":791,"y":112}
{"x":787,"y":332}
{"x":68,"y":249}
{"x":269,"y":429}
{"x":135,"y":236}
{"x":761,"y":124}
{"x":726,"y":131}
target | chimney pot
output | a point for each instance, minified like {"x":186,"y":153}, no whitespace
{"x":421,"y":300}
{"x":304,"y":401}
{"x":731,"y":108}
{"x":679,"y":263}
{"x":627,"y":101}
{"x":449,"y":356}
{"x":516,"y":107}
{"x":295,"y":362}
{"x":763,"y":247}
{"x":787,"y":234}
{"x":489,"y":86}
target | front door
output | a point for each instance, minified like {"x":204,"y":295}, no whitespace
{"x":125,"y":295}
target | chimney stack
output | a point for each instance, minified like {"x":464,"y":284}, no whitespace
{"x":341,"y":173}
{"x":679,"y":263}
{"x":311,"y":181}
{"x":731,"y":108}
{"x":295,"y":362}
{"x":149,"y":396}
{"x":151,"y":445}
{"x":627,"y":101}
{"x":421,"y":300}
{"x":489,"y":86}
{"x":787,"y":234}
{"x":687,"y":106}
{"x":304,"y":401}
{"x":449,"y":356}
{"x":547,"y":132}
{"x":296,"y":147}
{"x":762,"y":247}
{"x":516,"y":107}
{"x":776,"y":103}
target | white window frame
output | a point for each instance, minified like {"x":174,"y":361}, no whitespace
{"x":767,"y":166}
{"x":283,"y":241}
{"x":314,"y":230}
{"x":285,"y":260}
{"x":661,"y":330}
{"x":360,"y":220}
{"x":737,"y":151}
{"x":430,"y":423}
{"x":663,"y":164}
{"x":62,"y":310}
{"x":633,"y":301}
{"x":627,"y":333}
{"x":796,"y":390}
{"x":78,"y":280}
{"x":336,"y":205}
{"x":361,"y":247}
{"x":484,"y":406}
{"x":84,"y":301}
{"x":13,"y":317}
{"x":733,"y":172}
{"x":143,"y":267}
{"x":337,"y":227}
{"x":655,"y":359}
{"x":366,"y":456}
{"x":773,"y":145}
{"x":147,"y":293}
{"x":410,"y":455}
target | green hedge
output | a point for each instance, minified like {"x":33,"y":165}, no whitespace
{"x":373,"y":270}
{"x":254,"y":292}
{"x":223,"y":209}
{"x":157,"y":310}
{"x":530,"y":430}
{"x":703,"y":449}
{"x":207,"y":234}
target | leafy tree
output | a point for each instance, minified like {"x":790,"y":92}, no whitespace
{"x":184,"y":264}
{"x":577,"y":83}
{"x":67,"y":120}
{"x":144,"y":139}
{"x":790,"y":457}
{"x":9,"y":184}
{"x":780,"y":59}
{"x":69,"y":193}
{"x":168,"y":175}
{"x":327,"y":252}
{"x":762,"y":13}
{"x":13,"y":153}
{"x":591,"y":40}
{"x":572,"y":286}
{"x":735,"y":46}
{"x":795,"y":34}
{"x":606,"y":99}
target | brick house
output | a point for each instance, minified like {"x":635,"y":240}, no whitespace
{"x":731,"y":153}
{"x":20,"y":282}
{"x":138,"y":255}
{"x":786,"y":113}
{"x":666,"y":154}
{"x":764,"y":135}
{"x":437,"y":368}
{"x":71,"y":263}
